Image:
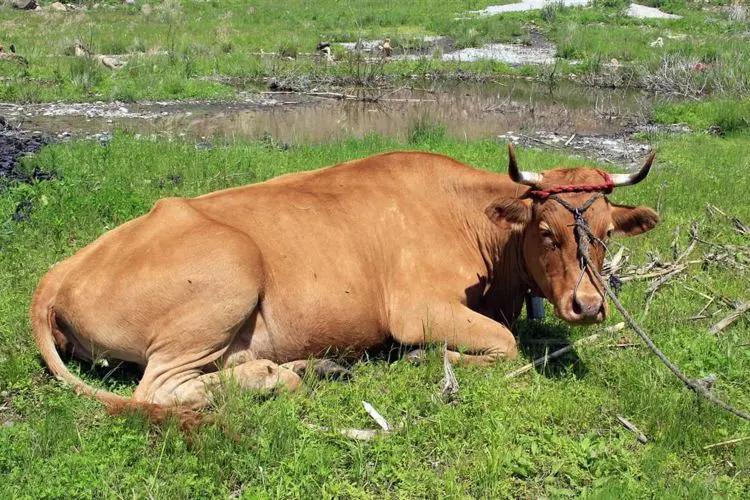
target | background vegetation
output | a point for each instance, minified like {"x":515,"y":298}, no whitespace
{"x":211,"y":49}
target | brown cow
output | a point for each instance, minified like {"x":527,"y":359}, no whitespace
{"x":246,"y":282}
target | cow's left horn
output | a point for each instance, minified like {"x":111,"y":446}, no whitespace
{"x":519,"y":176}
{"x":630,"y":179}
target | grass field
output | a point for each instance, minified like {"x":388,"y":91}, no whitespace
{"x":551,"y":433}
{"x":210,"y":49}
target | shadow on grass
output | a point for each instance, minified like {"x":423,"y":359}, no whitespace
{"x":537,"y":338}
{"x":114,"y":376}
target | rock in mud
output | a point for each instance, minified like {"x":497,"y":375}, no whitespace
{"x":14,"y":144}
{"x":25,"y":4}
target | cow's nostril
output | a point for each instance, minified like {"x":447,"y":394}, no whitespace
{"x":587,"y":306}
{"x":576,"y":306}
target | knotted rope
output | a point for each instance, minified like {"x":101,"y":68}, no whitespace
{"x":605,"y":187}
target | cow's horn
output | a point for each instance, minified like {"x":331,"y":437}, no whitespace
{"x":630,"y":179}
{"x":519,"y":176}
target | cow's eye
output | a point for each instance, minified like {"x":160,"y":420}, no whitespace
{"x":609,"y":233}
{"x":548,"y":238}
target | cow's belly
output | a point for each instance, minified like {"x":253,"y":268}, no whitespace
{"x":293,"y":325}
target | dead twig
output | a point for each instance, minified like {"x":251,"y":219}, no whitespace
{"x":726,"y":443}
{"x":356,"y":434}
{"x":656,"y":274}
{"x":623,"y":345}
{"x":641,"y":437}
{"x":556,"y":354}
{"x":733,"y":316}
{"x":450,"y":383}
{"x":699,"y":314}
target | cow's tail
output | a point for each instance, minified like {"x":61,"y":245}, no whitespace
{"x":43,"y":324}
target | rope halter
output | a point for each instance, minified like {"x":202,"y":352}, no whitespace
{"x":582,"y":230}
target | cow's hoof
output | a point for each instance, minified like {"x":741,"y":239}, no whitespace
{"x":322,"y":368}
{"x":416,"y":357}
{"x":327,"y":369}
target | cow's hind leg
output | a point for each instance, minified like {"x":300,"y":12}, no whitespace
{"x":257,"y":375}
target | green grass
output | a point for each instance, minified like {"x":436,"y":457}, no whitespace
{"x":546,"y":434}
{"x":726,"y":114}
{"x":189,"y":49}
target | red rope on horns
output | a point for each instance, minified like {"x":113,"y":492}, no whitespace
{"x":606,"y":187}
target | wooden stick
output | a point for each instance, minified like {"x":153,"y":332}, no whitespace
{"x":560,"y":352}
{"x":725,"y":443}
{"x":731,"y":318}
{"x":641,"y":437}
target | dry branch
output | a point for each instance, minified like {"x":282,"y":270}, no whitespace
{"x":725,"y":443}
{"x":733,"y":316}
{"x":357,"y":434}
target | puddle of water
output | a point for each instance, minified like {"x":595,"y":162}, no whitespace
{"x":467,"y":110}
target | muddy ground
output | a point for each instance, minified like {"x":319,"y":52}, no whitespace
{"x":16,"y":143}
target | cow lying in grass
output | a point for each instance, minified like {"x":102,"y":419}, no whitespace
{"x":253,"y":283}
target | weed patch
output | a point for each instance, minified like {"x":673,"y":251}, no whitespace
{"x":721,"y":116}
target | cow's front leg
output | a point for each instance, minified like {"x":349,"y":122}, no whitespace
{"x":471,"y":337}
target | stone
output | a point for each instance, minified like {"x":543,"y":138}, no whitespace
{"x":25,"y":4}
{"x":643,"y":12}
{"x":58,"y":7}
{"x":527,"y":5}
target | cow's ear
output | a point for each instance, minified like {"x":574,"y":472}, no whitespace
{"x":509,"y":211}
{"x":630,"y":221}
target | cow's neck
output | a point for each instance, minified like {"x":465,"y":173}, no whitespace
{"x":506,"y":279}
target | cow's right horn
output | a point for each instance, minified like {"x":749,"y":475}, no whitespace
{"x":635,"y":178}
{"x":519,"y":176}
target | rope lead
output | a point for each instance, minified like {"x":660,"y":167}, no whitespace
{"x":585,"y":236}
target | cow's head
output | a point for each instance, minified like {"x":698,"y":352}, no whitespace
{"x":549,"y":243}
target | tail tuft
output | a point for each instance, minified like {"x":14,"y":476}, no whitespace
{"x":189,"y":420}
